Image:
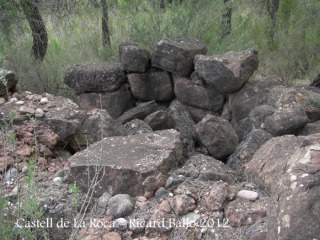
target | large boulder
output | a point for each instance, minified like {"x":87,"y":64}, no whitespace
{"x":294,"y":163}
{"x":246,"y":149}
{"x":217,"y":135}
{"x":95,"y":77}
{"x":227,"y":72}
{"x":253,"y":94}
{"x":176,"y":55}
{"x":8,"y":81}
{"x":286,"y":120}
{"x":97,"y":125}
{"x":198,"y":95}
{"x":64,"y":117}
{"x":154,"y":85}
{"x":115,"y":102}
{"x":133,"y":58}
{"x":122,"y":164}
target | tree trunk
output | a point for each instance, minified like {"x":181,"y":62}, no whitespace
{"x":226,"y":19}
{"x":105,"y":27}
{"x":38,"y":28}
{"x":273,"y":6}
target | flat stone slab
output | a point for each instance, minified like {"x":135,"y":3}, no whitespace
{"x":95,"y":77}
{"x":122,"y":164}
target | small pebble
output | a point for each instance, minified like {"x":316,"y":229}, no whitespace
{"x":58,"y":181}
{"x":121,"y":224}
{"x":59,"y":208}
{"x":247,"y":194}
{"x":24,"y":169}
{"x":44,"y":100}
{"x":19,"y":102}
{"x":169,"y":182}
{"x":39,"y":113}
{"x":160,"y":191}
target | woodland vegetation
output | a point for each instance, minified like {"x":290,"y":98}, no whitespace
{"x":40,"y":39}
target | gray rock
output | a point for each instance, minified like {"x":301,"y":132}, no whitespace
{"x":10,"y":174}
{"x":39,"y":113}
{"x":160,"y":191}
{"x":121,"y":224}
{"x":205,"y":168}
{"x":160,"y":120}
{"x":246,"y":149}
{"x":176,"y":55}
{"x":121,"y":205}
{"x":198,"y":114}
{"x":253,"y":94}
{"x":95,"y":77}
{"x":122,"y":161}
{"x":44,"y":101}
{"x":57,"y":181}
{"x":133,"y":58}
{"x":217,"y":135}
{"x":102,"y":203}
{"x":190,"y":219}
{"x":59,"y":208}
{"x":227,"y":72}
{"x":64,"y":117}
{"x":10,"y":79}
{"x":153,"y":85}
{"x":97,"y":125}
{"x":198,"y":95}
{"x":115,"y":102}
{"x":184,"y":124}
{"x":139,"y":112}
{"x":169,"y":182}
{"x":258,"y":115}
{"x":286,"y":120}
{"x":310,"y":128}
{"x":137,"y":224}
{"x":136,"y":126}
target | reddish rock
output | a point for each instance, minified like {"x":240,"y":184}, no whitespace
{"x":182,"y":204}
{"x":241,"y":212}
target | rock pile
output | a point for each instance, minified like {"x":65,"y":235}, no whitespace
{"x":177,"y":144}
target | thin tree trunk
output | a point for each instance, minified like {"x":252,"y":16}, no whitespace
{"x":38,"y":28}
{"x":226,"y":19}
{"x":273,"y":6}
{"x":105,"y":27}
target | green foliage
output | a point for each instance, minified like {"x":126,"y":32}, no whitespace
{"x":315,"y":102}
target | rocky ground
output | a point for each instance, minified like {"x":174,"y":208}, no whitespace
{"x":185,"y":148}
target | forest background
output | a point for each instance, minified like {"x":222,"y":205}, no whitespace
{"x":41,"y":39}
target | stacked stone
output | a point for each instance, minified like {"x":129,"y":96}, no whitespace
{"x":100,"y":85}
